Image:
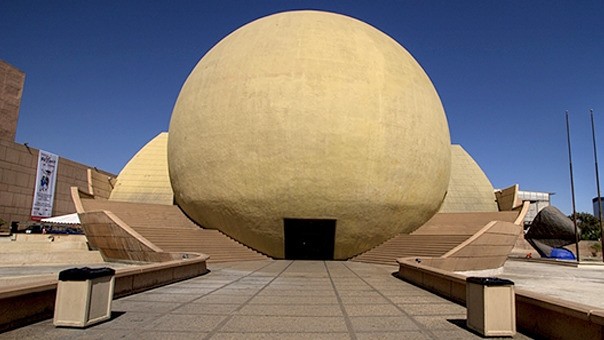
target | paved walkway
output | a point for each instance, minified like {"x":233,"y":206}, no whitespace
{"x":277,"y":300}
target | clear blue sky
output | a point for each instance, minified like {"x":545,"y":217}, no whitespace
{"x":103,"y":76}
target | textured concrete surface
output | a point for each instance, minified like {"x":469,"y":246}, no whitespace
{"x":308,"y":114}
{"x":11,"y":89}
{"x":277,"y":300}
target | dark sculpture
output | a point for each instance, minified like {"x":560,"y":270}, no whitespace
{"x":550,"y":231}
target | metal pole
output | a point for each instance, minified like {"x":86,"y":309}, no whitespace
{"x":593,"y":134}
{"x":572,"y":186}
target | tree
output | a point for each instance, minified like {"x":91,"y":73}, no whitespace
{"x":589,"y":225}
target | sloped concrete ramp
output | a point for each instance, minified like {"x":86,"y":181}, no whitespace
{"x":167,"y":227}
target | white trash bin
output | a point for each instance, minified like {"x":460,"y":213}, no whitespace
{"x":491,"y":306}
{"x":84,"y":296}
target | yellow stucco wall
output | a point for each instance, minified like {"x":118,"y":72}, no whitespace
{"x":469,"y":188}
{"x":145,"y":178}
{"x":309,"y":115}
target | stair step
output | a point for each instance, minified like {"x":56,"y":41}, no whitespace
{"x":169,"y":229}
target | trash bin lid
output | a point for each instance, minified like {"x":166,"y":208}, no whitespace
{"x":489,"y":281}
{"x":85,"y":273}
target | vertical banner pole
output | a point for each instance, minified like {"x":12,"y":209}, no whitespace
{"x":593,"y":134}
{"x":572,"y":186}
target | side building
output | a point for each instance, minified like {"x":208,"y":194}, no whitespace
{"x":19,"y":161}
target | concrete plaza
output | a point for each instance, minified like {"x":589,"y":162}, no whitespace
{"x":280,"y":300}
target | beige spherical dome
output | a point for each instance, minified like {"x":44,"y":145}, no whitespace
{"x":305,"y":117}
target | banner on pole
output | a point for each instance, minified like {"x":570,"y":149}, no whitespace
{"x":46,"y":179}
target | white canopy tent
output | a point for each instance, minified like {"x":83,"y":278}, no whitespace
{"x":63,"y":219}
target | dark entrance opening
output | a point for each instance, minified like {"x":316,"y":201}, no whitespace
{"x":309,"y":239}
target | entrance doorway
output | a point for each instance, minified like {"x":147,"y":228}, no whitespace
{"x":309,"y":239}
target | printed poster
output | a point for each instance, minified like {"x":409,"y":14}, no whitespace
{"x":46,"y":179}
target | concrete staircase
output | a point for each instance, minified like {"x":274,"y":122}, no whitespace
{"x":411,"y":246}
{"x":170,"y":229}
{"x":438,"y":236}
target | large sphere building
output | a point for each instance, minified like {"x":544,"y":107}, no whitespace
{"x":309,"y":135}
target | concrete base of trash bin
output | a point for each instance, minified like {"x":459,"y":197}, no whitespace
{"x":83,"y":303}
{"x":491,"y":309}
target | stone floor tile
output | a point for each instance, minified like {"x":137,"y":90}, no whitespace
{"x":223,"y":298}
{"x":402,"y":292}
{"x":435,"y":309}
{"x":372,"y":310}
{"x":301,"y":281}
{"x":355,"y":287}
{"x":207,"y":308}
{"x":281,"y":336}
{"x":180,"y":290}
{"x":129,"y":320}
{"x":292,"y":324}
{"x":440,"y":322}
{"x":170,"y":335}
{"x":237,"y":291}
{"x":296,"y":292}
{"x":101,"y":334}
{"x":354,"y":279}
{"x":291,"y":310}
{"x":367,"y":291}
{"x":44,"y":330}
{"x":299,"y":287}
{"x":362,"y":299}
{"x":184,"y":322}
{"x":383,"y":323}
{"x":299,"y":300}
{"x":459,"y":334}
{"x":164,"y":297}
{"x":256,"y":280}
{"x":415,"y":299}
{"x":143,"y":306}
{"x":412,"y":335}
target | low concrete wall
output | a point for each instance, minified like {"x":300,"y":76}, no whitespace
{"x":447,"y":284}
{"x":43,"y":238}
{"x":47,"y":246}
{"x":37,"y":249}
{"x":32,"y":258}
{"x":537,"y":315}
{"x":34,"y":301}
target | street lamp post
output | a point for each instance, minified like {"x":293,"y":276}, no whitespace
{"x":572,"y":185}
{"x":593,"y":134}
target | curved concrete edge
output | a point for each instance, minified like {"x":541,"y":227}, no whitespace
{"x":489,"y":248}
{"x":116,"y":240}
{"x":76,"y":198}
{"x":537,"y":315}
{"x":35,"y":300}
{"x":524,"y":209}
{"x":134,"y":280}
{"x":469,"y":240}
{"x":129,"y":230}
